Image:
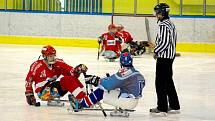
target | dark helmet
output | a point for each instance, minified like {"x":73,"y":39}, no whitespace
{"x":126,"y":60}
{"x":162,"y":8}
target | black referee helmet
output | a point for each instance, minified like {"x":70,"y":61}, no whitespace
{"x":163,"y":9}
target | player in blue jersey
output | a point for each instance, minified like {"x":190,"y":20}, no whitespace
{"x":122,"y":89}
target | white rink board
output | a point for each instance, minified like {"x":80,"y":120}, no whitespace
{"x":92,"y":26}
{"x":194,"y":76}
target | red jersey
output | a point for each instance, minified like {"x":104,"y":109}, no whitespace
{"x":110,"y":42}
{"x":126,"y":36}
{"x":39,"y":73}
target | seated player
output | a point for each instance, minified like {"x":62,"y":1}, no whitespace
{"x":122,"y":90}
{"x":124,"y":34}
{"x":129,"y":45}
{"x":46,"y":74}
{"x":53,"y":77}
{"x":111,"y":43}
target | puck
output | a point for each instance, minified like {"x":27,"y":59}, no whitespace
{"x":177,"y":54}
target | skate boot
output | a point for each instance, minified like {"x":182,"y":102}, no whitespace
{"x":119,"y":113}
{"x":156,"y":111}
{"x":74,"y":103}
{"x":173,"y":111}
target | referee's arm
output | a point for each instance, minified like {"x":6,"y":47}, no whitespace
{"x":163,"y":39}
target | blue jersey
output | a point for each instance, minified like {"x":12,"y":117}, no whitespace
{"x":128,"y":80}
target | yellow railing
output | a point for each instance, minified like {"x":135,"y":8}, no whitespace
{"x":38,"y":5}
{"x":178,"y":7}
{"x":189,"y":7}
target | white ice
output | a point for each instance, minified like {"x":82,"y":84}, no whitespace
{"x":194,"y":76}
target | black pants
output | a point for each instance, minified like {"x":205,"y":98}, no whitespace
{"x":165,"y":86}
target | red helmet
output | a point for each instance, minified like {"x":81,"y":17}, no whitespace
{"x":111,"y":26}
{"x":48,"y":50}
{"x":120,"y":27}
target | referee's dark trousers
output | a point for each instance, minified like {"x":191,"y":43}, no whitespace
{"x":165,"y":86}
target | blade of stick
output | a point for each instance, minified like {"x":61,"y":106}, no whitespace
{"x":148,"y":32}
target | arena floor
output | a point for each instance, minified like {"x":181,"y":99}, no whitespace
{"x":194,"y":76}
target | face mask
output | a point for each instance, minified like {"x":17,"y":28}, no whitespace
{"x":51,"y":59}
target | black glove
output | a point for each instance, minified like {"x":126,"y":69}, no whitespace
{"x":100,"y":39}
{"x":118,"y":38}
{"x":155,"y":56}
{"x":92,"y":79}
{"x":30,"y":98}
{"x":81,"y":68}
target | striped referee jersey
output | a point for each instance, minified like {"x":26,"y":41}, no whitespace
{"x":166,"y":40}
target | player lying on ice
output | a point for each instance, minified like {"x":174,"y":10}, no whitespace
{"x":122,"y":89}
{"x":111,"y":43}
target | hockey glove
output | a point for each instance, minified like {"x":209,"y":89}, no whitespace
{"x":151,"y":45}
{"x":100,"y":39}
{"x":155,"y":56}
{"x":119,"y":39}
{"x":92,"y":79}
{"x":81,"y":68}
{"x":30,"y":98}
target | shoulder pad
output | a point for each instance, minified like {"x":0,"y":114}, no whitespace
{"x":34,"y":64}
{"x":105,"y":34}
{"x":37,"y":64}
{"x":60,"y":60}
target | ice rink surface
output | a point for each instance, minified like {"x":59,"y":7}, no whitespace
{"x":194,"y":76}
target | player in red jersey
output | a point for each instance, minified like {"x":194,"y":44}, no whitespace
{"x":124,"y":34}
{"x":111,"y":43}
{"x":53,"y":77}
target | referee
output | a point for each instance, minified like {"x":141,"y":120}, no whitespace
{"x":164,"y":53}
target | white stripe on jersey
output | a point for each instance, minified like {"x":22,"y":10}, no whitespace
{"x":166,"y":40}
{"x":77,"y":91}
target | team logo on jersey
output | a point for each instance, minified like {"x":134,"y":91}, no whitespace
{"x":111,"y":42}
{"x":43,"y":73}
{"x":125,"y":72}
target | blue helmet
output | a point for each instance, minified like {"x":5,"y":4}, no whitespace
{"x":126,"y":60}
